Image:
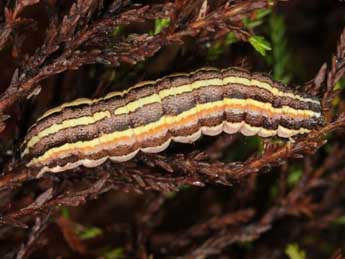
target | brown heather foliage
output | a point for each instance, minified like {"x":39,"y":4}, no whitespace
{"x":222,"y":197}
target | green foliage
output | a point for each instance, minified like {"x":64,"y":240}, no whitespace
{"x":274,"y":191}
{"x":215,"y":51}
{"x":230,"y":39}
{"x":65,"y":212}
{"x":218,"y":47}
{"x":251,"y":144}
{"x":83,"y":233}
{"x":293,"y":251}
{"x":160,"y":24}
{"x":260,"y":14}
{"x":340,"y":221}
{"x":171,"y":195}
{"x":115,"y":253}
{"x":254,"y":143}
{"x":294,"y":176}
{"x":251,"y":23}
{"x":117,"y":30}
{"x":260,"y":44}
{"x":280,"y":57}
{"x":90,"y":232}
{"x":340,"y":85}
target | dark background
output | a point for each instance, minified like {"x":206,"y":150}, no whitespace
{"x":312,"y":30}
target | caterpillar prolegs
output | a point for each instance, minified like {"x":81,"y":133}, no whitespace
{"x":178,"y":107}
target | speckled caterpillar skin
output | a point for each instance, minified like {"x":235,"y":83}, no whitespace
{"x":179,"y":107}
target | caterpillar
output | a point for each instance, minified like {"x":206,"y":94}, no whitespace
{"x":179,"y":107}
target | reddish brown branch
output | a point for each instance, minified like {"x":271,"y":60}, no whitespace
{"x":24,"y":83}
{"x":13,"y":21}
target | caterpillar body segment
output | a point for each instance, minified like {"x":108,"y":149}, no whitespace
{"x":151,"y":114}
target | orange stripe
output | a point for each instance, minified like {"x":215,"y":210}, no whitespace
{"x":185,"y":120}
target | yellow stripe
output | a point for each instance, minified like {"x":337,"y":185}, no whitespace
{"x":65,"y":105}
{"x":190,"y":87}
{"x":214,"y":82}
{"x":138,"y":103}
{"x":92,"y":101}
{"x":286,"y":110}
{"x":132,"y":106}
{"x":182,"y":89}
{"x":93,"y":163}
{"x":119,"y":134}
{"x":164,"y":120}
{"x":85,"y":120}
{"x":122,"y":93}
{"x":103,"y":139}
{"x":264,"y":85}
